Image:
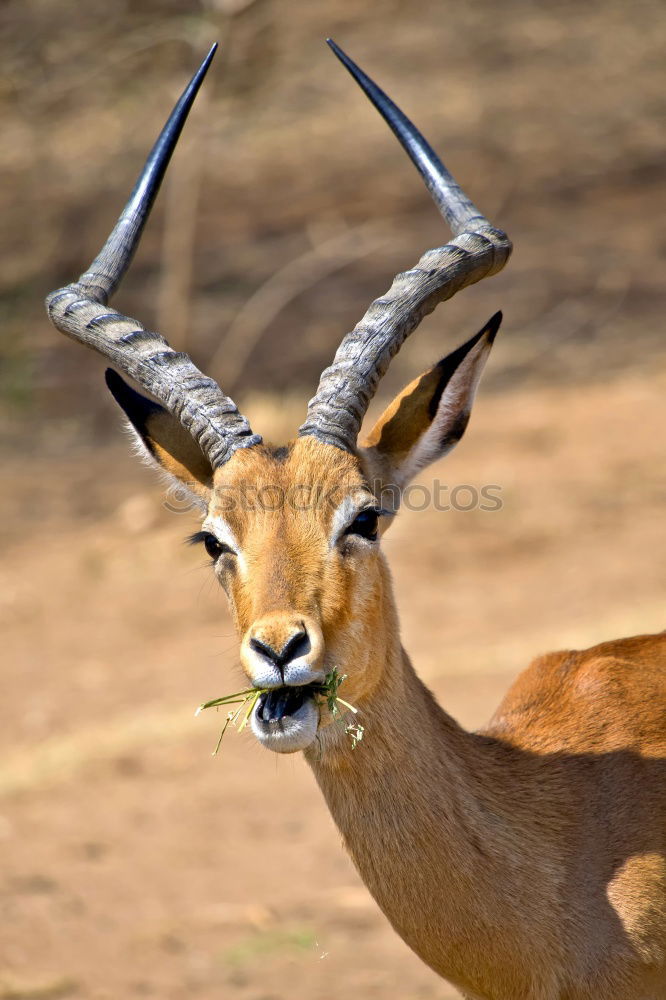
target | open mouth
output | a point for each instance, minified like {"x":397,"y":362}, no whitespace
{"x":286,"y":719}
{"x":280,"y":702}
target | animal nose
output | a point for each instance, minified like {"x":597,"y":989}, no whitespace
{"x":298,"y":644}
{"x":283,"y":649}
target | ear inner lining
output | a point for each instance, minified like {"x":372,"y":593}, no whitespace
{"x":164,"y":437}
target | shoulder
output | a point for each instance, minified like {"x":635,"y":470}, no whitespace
{"x":613,"y":694}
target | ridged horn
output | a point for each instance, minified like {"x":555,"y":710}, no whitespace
{"x":477,"y":250}
{"x":80,"y":311}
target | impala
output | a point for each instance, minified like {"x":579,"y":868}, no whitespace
{"x":522,"y":862}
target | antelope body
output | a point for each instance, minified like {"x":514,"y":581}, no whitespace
{"x":524,"y":862}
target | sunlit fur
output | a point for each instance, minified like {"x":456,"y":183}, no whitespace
{"x":289,"y":568}
{"x":525,"y":862}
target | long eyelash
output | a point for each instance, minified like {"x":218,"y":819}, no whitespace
{"x":379,"y":511}
{"x":198,"y":538}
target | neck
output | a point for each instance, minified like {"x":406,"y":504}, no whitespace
{"x":442,"y":830}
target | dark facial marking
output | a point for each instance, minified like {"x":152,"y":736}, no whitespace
{"x":280,"y":454}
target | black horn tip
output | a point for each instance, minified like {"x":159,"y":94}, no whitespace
{"x":196,"y":81}
{"x":452,"y":202}
{"x":361,"y":78}
{"x":417,"y":148}
{"x":160,"y":154}
{"x":209,"y":57}
{"x":108,"y":268}
{"x":349,"y":65}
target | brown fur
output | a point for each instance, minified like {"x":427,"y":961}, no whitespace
{"x":288,"y":570}
{"x":524,"y":862}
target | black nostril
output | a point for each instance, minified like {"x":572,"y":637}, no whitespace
{"x":264,"y":650}
{"x":298,"y":645}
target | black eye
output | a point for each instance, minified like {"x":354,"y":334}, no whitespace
{"x":213,"y":547}
{"x":365,"y":525}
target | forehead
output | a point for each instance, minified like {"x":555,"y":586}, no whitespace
{"x":302,"y":479}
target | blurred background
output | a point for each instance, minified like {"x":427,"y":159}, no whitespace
{"x":132,"y":863}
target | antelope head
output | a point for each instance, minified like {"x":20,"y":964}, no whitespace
{"x":294,"y":532}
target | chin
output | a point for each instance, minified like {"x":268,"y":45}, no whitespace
{"x":286,"y":720}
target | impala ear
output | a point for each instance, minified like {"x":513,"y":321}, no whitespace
{"x":428,"y":418}
{"x":166,"y":443}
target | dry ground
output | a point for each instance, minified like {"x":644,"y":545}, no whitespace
{"x":550,"y":113}
{"x":132,"y":863}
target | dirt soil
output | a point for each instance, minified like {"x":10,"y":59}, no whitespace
{"x":132,"y":862}
{"x":289,"y":205}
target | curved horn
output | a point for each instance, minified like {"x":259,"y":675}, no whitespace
{"x":478,"y":249}
{"x":80,"y":311}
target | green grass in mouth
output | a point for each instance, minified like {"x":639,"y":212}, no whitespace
{"x":243,"y":703}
